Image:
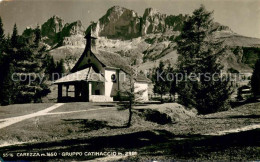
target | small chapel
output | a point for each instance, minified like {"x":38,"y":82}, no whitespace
{"x":98,"y":76}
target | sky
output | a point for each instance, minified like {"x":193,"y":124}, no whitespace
{"x":242,"y":16}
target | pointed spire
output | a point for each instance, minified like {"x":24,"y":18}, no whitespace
{"x":89,"y":39}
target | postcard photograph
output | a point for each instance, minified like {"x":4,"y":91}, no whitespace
{"x":129,"y":80}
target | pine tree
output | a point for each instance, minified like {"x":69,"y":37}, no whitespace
{"x":50,"y":66}
{"x":2,"y":35}
{"x":6,"y":69}
{"x":255,"y":80}
{"x":7,"y":94}
{"x":161,"y":85}
{"x":30,"y":58}
{"x":205,"y":89}
{"x":2,"y":39}
{"x":172,"y":84}
{"x":60,"y":69}
{"x":14,"y":37}
{"x":37,"y":33}
{"x":1,"y":73}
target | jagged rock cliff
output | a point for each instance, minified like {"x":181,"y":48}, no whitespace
{"x":153,"y":21}
{"x":56,"y":32}
{"x":122,"y":23}
{"x":54,"y":25}
{"x":144,"y":40}
{"x":118,"y":22}
{"x":50,"y":29}
{"x":73,"y":34}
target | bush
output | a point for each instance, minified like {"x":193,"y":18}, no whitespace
{"x":255,"y":80}
{"x":120,"y":97}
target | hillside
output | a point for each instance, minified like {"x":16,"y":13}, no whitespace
{"x":143,"y":40}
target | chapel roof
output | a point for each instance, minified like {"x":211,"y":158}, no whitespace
{"x":87,"y":74}
{"x":113,"y":60}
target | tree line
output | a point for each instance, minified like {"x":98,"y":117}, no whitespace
{"x":199,"y":53}
{"x":25,"y":67}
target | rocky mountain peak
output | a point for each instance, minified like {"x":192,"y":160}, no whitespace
{"x":50,"y":28}
{"x":151,"y":12}
{"x":55,"y":23}
{"x":117,"y":9}
{"x":122,"y":23}
{"x":153,"y":21}
{"x":56,"y":19}
{"x":118,"y":22}
{"x":73,"y":34}
{"x":115,"y":12}
{"x":73,"y":28}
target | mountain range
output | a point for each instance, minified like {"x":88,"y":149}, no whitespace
{"x":143,"y":40}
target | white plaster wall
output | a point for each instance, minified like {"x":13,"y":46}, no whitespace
{"x":142,"y":87}
{"x":100,"y":98}
{"x":110,"y":87}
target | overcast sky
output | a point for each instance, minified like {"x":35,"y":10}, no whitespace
{"x":242,"y":16}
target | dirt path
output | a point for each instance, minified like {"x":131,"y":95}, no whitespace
{"x":10,"y":121}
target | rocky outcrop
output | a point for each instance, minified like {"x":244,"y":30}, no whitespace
{"x":153,"y":21}
{"x":144,"y":40}
{"x":73,"y":34}
{"x":50,"y":29}
{"x":122,"y":23}
{"x":74,"y":40}
{"x":156,"y":22}
{"x":56,"y":32}
{"x":54,"y":25}
{"x":75,"y":28}
{"x":118,"y":22}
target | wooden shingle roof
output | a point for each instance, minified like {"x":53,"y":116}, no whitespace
{"x":113,"y":60}
{"x":87,"y":74}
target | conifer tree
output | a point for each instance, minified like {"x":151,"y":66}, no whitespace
{"x":255,"y":80}
{"x":50,"y":66}
{"x":60,"y":69}
{"x":172,"y":84}
{"x":205,"y":89}
{"x":7,"y":91}
{"x":2,"y":35}
{"x":20,"y":61}
{"x":37,"y":33}
{"x":7,"y":94}
{"x":161,"y":85}
{"x":30,"y":57}
{"x":2,"y":42}
{"x":14,"y":37}
{"x":2,"y":39}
